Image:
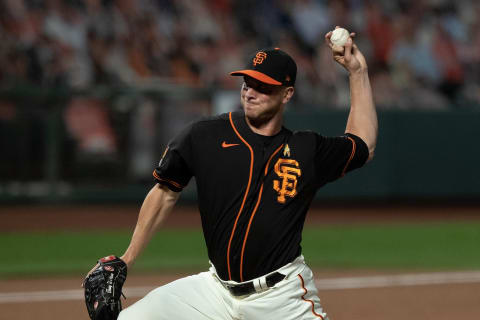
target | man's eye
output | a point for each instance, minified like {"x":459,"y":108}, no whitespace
{"x":258,"y":87}
{"x":264,"y":89}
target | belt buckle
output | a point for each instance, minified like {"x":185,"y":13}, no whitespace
{"x":257,"y":285}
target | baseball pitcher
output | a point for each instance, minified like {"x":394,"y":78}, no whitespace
{"x":256,"y":180}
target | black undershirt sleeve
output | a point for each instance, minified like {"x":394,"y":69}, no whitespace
{"x":175,"y":168}
{"x":335,"y":156}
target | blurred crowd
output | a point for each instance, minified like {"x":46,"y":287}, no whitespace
{"x":57,"y":55}
{"x":422,"y":54}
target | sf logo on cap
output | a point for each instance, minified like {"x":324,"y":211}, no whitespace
{"x":259,"y":57}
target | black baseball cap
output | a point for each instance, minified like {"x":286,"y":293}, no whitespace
{"x":271,"y":66}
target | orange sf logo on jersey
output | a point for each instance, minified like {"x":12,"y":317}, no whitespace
{"x":288,"y":171}
{"x":259,"y":57}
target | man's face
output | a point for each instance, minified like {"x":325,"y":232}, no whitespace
{"x":262,"y":101}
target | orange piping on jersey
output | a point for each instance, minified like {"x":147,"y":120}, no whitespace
{"x":155,"y":175}
{"x":271,"y":157}
{"x":173,"y":183}
{"x":308,"y":300}
{"x":354,"y":146}
{"x":244,"y":197}
{"x":253,"y":213}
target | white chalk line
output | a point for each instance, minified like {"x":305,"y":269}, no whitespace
{"x":400,"y":280}
{"x":384,"y":281}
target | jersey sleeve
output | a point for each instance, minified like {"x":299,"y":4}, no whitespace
{"x":335,"y":156}
{"x":175,"y":167}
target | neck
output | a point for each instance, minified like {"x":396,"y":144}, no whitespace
{"x":266,"y":128}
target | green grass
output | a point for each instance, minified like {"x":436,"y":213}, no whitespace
{"x":72,"y":252}
{"x":408,"y":246}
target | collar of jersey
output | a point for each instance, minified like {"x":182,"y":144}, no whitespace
{"x":240,"y":122}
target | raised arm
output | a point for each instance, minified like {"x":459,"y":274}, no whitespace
{"x":362,"y":120}
{"x":155,"y":208}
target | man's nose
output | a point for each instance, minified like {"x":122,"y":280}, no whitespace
{"x":251,"y":93}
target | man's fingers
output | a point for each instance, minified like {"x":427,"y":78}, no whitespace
{"x":348,"y":49}
{"x":327,"y":39}
{"x":341,"y":54}
{"x":337,"y":50}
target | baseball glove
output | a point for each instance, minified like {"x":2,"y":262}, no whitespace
{"x":103,"y":288}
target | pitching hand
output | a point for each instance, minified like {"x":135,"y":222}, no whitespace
{"x":348,"y":56}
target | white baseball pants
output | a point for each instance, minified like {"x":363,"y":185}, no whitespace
{"x":204,"y":296}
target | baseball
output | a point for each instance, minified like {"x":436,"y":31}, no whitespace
{"x":339,"y":36}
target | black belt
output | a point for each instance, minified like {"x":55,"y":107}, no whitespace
{"x":247,"y":288}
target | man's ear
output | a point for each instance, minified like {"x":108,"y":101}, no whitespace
{"x":288,"y":93}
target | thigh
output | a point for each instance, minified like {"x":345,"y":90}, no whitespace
{"x":292,"y":299}
{"x":309,"y":302}
{"x":193,"y":297}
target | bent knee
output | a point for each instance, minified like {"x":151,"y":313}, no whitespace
{"x":141,"y":309}
{"x":124,"y":315}
{"x":133,"y":313}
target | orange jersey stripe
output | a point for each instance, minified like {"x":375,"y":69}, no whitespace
{"x":244,"y":197}
{"x":271,"y":157}
{"x":354,"y":147}
{"x":173,"y":183}
{"x":308,"y":300}
{"x":253,"y":213}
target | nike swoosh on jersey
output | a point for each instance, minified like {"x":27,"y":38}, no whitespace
{"x":228,"y":145}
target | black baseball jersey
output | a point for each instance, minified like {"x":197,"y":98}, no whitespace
{"x":254,"y":191}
